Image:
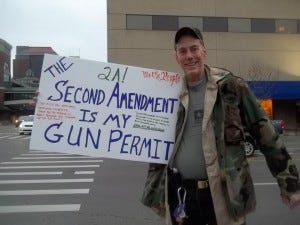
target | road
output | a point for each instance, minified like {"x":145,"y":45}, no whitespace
{"x":40,"y":188}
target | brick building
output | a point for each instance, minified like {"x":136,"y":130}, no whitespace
{"x":28,"y":61}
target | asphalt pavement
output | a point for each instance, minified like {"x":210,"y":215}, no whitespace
{"x":40,"y":188}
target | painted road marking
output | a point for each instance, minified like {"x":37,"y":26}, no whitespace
{"x":84,"y":172}
{"x":264,"y":184}
{"x":43,"y":181}
{"x":63,"y":161}
{"x":62,"y":157}
{"x":43,"y":154}
{"x":39,"y":208}
{"x":25,"y":138}
{"x":15,"y":137}
{"x":30,"y":173}
{"x":45,"y":192}
{"x":42,"y":167}
{"x":5,"y":136}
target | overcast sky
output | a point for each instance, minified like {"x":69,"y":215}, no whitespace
{"x":70,"y":27}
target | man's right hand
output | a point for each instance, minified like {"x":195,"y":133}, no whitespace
{"x":293,"y":200}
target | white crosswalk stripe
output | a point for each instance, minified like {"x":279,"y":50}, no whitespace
{"x":1,"y":137}
{"x":84,"y":172}
{"x":43,"y":167}
{"x":44,"y":154}
{"x":25,"y":138}
{"x":13,"y":136}
{"x":58,"y":157}
{"x":45,"y":192}
{"x":61,"y":161}
{"x":39,"y":208}
{"x":30,"y":173}
{"x":46,"y":181}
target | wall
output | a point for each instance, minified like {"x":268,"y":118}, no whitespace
{"x":276,"y":53}
{"x":5,"y":53}
{"x":273,"y":52}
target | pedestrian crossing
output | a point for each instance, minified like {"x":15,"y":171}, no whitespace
{"x":13,"y":136}
{"x":49,"y":182}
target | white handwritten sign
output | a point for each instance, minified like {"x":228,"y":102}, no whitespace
{"x":106,"y":110}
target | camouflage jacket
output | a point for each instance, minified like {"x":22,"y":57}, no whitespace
{"x":230,"y":108}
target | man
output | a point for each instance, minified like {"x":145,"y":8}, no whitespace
{"x":207,"y":179}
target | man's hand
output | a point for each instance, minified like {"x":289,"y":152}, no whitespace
{"x":292,"y":201}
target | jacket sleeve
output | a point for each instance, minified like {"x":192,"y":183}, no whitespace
{"x":154,"y":191}
{"x":271,"y":145}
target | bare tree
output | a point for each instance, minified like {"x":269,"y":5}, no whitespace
{"x":258,"y":72}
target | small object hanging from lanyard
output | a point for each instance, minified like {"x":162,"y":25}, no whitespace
{"x":179,"y":212}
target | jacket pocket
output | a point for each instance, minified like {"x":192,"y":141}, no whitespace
{"x":233,"y":129}
{"x":238,"y":189}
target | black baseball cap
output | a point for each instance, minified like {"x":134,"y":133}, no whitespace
{"x":188,"y":31}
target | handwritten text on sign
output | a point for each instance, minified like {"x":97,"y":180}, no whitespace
{"x":106,"y":110}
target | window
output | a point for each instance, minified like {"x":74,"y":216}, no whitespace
{"x":215,"y":24}
{"x":267,"y":106}
{"x":298,"y":112}
{"x":286,"y":26}
{"x":138,"y":22}
{"x":191,"y":21}
{"x":239,"y":25}
{"x":209,"y":24}
{"x":165,"y":22}
{"x":262,"y":25}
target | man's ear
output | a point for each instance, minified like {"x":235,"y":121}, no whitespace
{"x":176,"y":57}
{"x":205,"y":51}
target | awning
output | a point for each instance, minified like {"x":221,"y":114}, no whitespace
{"x":276,"y":89}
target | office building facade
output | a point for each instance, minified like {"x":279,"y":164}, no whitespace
{"x":258,"y":40}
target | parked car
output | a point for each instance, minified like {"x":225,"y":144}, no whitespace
{"x":250,"y":143}
{"x":26,"y":125}
{"x":279,"y":125}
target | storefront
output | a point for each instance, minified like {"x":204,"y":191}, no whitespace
{"x":281,"y":100}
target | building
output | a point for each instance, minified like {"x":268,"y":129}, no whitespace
{"x":16,"y":93}
{"x":5,"y":75}
{"x":256,"y":39}
{"x":29,"y":60}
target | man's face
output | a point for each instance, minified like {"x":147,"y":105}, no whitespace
{"x":190,"y":55}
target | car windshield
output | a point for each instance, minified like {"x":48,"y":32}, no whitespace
{"x":28,"y":118}
{"x":22,"y":118}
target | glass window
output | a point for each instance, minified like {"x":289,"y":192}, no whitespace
{"x":262,"y":25}
{"x":267,"y":106}
{"x":191,"y":21}
{"x":165,"y":22}
{"x":286,"y":26}
{"x":239,"y":25}
{"x":215,"y":24}
{"x":298,"y":113}
{"x":138,"y":22}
